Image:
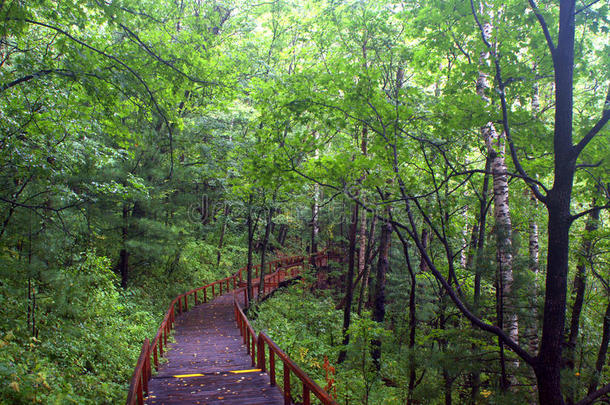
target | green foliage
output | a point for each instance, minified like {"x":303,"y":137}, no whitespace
{"x":87,"y":337}
{"x":136,"y":137}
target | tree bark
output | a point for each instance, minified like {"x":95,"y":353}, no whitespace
{"x":425,"y":240}
{"x":347,"y":309}
{"x":362,"y":257}
{"x":548,"y":365}
{"x":252,"y":224}
{"x":282,"y":233}
{"x":367,"y":266}
{"x":480,"y":243}
{"x":380,"y":277}
{"x":506,"y":308}
{"x":533,"y":249}
{"x":601,"y":354}
{"x":315,"y":226}
{"x":223,"y":229}
{"x":412,"y":325}
{"x":261,"y":279}
{"x":123,"y":264}
{"x":578,"y":290}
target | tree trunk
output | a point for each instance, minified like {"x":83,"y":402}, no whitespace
{"x":282,"y":233}
{"x":362,"y":257}
{"x":578,"y":290}
{"x":123,"y":264}
{"x":601,"y":354}
{"x":503,"y":225}
{"x":548,"y":367}
{"x":251,"y":230}
{"x":412,"y":326}
{"x":362,"y":247}
{"x":425,"y":240}
{"x":531,"y":326}
{"x":480,"y":244}
{"x":442,"y":342}
{"x":380,"y":277}
{"x":534,"y":267}
{"x":448,"y":383}
{"x":548,"y":364}
{"x":367,"y":266}
{"x":315,"y":226}
{"x":479,"y":232}
{"x":507,"y":316}
{"x":261,"y":279}
{"x":347,"y":310}
{"x":223,"y":229}
{"x":412,"y":318}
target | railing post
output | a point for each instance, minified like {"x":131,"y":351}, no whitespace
{"x":146,"y":368}
{"x":306,"y":396}
{"x":271,"y":366}
{"x":261,"y":354}
{"x":286,"y":384}
{"x":155,"y":356}
{"x":195,"y":297}
{"x":213,"y":294}
{"x":205,"y":297}
{"x":220,"y":287}
{"x":140,"y":396}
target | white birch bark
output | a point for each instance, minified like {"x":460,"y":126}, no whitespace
{"x":533,"y":249}
{"x":503,"y":225}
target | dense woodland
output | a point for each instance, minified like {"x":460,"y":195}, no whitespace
{"x":456,"y":153}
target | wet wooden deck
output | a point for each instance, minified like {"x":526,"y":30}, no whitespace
{"x":208,"y":364}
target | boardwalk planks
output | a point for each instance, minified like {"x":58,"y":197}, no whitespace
{"x":208,"y":363}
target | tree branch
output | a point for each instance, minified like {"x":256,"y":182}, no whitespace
{"x":456,"y":299}
{"x":597,"y":127}
{"x":42,"y":207}
{"x":586,"y":7}
{"x":150,"y":52}
{"x":595,"y":395}
{"x":587,"y":165}
{"x":544,"y":26}
{"x":586,"y":212}
{"x":38,"y":74}
{"x":123,"y":64}
{"x":481,"y":29}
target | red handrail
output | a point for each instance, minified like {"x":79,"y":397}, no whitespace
{"x":141,"y":375}
{"x":143,"y":371}
{"x":256,"y":344}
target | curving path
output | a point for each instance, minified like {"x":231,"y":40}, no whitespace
{"x":209,"y":364}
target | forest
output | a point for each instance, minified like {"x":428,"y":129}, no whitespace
{"x":456,"y":153}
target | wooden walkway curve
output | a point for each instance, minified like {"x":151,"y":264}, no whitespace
{"x":217,"y":358}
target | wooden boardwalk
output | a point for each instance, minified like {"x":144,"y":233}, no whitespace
{"x":208,"y":364}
